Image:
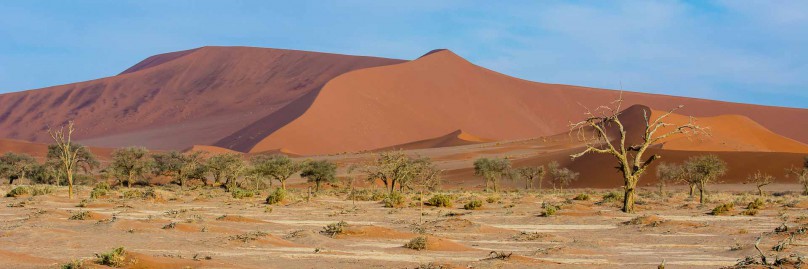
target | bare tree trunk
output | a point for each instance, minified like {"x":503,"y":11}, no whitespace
{"x":692,"y":189}
{"x":760,"y":191}
{"x":129,"y":181}
{"x":701,"y":193}
{"x":283,"y":184}
{"x":628,"y":195}
{"x":69,"y":185}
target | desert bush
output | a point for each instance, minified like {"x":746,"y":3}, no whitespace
{"x":74,"y":264}
{"x":756,"y":204}
{"x":276,"y":196}
{"x":473,"y":204}
{"x":334,"y":229}
{"x":611,"y":197}
{"x":239,"y":193}
{"x":99,"y":191}
{"x":750,"y":212}
{"x":492,"y":199}
{"x":30,"y":190}
{"x":19,"y":191}
{"x":440,"y":200}
{"x":417,"y":243}
{"x":723,"y":209}
{"x":550,"y":210}
{"x":114,"y":258}
{"x":80,"y":215}
{"x":365,"y":195}
{"x":247,"y":237}
{"x":394,"y":199}
{"x":131,"y":194}
{"x":582,"y":197}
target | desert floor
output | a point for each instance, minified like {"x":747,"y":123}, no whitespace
{"x":207,"y":228}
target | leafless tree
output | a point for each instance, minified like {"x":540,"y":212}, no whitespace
{"x":67,"y":152}
{"x":760,"y":179}
{"x":596,"y":131}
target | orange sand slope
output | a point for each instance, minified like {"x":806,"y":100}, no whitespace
{"x":440,"y":92}
{"x":456,"y":138}
{"x":176,"y":100}
{"x":40,"y":150}
{"x":730,"y":133}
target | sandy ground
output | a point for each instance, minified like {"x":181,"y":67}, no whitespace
{"x":213,"y":230}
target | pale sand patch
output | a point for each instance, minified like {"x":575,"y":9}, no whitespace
{"x":554,"y":227}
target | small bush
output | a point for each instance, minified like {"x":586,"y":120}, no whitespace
{"x":394,"y":199}
{"x":74,"y":264}
{"x":492,"y":199}
{"x":750,"y":212}
{"x":440,"y":200}
{"x":473,"y":204}
{"x":612,"y":197}
{"x":239,"y":193}
{"x":366,"y":195}
{"x":132,"y":193}
{"x":114,"y":258}
{"x":756,"y":204}
{"x":334,"y":229}
{"x":30,"y":190}
{"x":276,"y":196}
{"x":550,"y":210}
{"x":98,"y":192}
{"x":582,"y":197}
{"x":80,"y":215}
{"x":418,"y":243}
{"x":103,"y":186}
{"x":19,"y":191}
{"x":723,"y":209}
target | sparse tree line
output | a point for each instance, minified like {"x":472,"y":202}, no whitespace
{"x":494,"y":170}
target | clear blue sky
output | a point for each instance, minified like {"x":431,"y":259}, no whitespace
{"x":742,"y":51}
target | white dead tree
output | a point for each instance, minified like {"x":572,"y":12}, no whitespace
{"x":604,"y":133}
{"x":67,"y":152}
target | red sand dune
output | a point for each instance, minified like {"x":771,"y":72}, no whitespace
{"x":440,"y":92}
{"x":40,"y":150}
{"x":729,"y":133}
{"x":303,"y":103}
{"x":179,"y":99}
{"x":456,"y":138}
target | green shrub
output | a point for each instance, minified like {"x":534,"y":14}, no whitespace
{"x":582,"y":197}
{"x":756,"y":204}
{"x":492,"y":199}
{"x":132,"y":193}
{"x":103,"y":185}
{"x":612,"y":197}
{"x":750,"y":212}
{"x":239,"y":193}
{"x":80,"y":215}
{"x":366,"y":195}
{"x":74,"y":264}
{"x":722,"y":209}
{"x":113,"y":258}
{"x":550,"y":210}
{"x":440,"y":200}
{"x":276,"y":196}
{"x":394,"y":199}
{"x":473,"y":204}
{"x":334,"y":229}
{"x":98,"y":192}
{"x":418,"y":243}
{"x":19,"y":191}
{"x":30,"y":190}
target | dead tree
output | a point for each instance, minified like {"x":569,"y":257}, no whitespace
{"x":68,"y":152}
{"x":760,"y":179}
{"x":595,"y":131}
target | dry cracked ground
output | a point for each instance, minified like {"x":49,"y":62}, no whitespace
{"x":207,"y":228}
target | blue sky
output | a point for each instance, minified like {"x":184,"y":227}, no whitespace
{"x":742,"y":51}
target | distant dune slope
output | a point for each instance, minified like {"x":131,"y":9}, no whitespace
{"x":40,"y":150}
{"x":440,"y":92}
{"x":456,"y":138}
{"x":179,"y":99}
